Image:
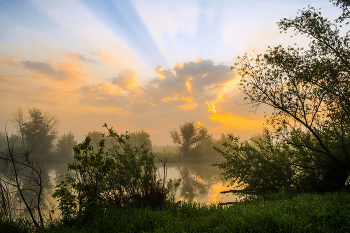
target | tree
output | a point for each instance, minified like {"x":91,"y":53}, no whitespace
{"x":309,"y":91}
{"x":259,"y":165}
{"x":140,"y":138}
{"x":65,"y":145}
{"x":189,"y":135}
{"x":39,"y":132}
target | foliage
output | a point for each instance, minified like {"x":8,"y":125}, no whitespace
{"x":39,"y":132}
{"x":140,"y":138}
{"x":16,"y":226}
{"x":190,"y":134}
{"x":123,"y":176}
{"x":65,"y":144}
{"x":302,"y":213}
{"x":309,"y":92}
{"x":258,"y":166}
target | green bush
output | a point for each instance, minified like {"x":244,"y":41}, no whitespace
{"x":122,"y":176}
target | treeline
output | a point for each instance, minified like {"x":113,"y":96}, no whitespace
{"x":38,"y":134}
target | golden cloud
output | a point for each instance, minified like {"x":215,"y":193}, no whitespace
{"x":229,"y":121}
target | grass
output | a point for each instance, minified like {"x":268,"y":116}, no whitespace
{"x":280,"y":213}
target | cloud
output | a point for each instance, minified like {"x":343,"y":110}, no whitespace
{"x":102,"y":95}
{"x":9,"y":61}
{"x":126,"y":79}
{"x":64,"y":72}
{"x":78,"y":57}
{"x":230,"y":121}
{"x":188,"y":83}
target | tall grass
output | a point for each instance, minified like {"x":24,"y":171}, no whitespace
{"x":302,"y":213}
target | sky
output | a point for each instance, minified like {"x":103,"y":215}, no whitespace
{"x":138,"y":64}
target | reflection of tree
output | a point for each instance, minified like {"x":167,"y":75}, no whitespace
{"x":191,"y":187}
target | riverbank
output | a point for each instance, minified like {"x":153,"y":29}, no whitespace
{"x":280,"y":213}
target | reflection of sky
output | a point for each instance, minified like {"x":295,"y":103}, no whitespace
{"x":136,"y":64}
{"x":213,"y":196}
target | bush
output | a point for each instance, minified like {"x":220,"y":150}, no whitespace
{"x":123,"y":176}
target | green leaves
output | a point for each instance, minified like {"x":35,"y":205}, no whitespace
{"x":309,"y":92}
{"x":261,"y":165}
{"x":124,"y":175}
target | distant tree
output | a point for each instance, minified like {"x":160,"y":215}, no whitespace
{"x":65,"y":144}
{"x":140,"y":138}
{"x":97,"y":136}
{"x":189,"y":135}
{"x":39,"y":132}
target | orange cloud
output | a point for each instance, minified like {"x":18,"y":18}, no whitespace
{"x":126,"y":80}
{"x":65,"y":71}
{"x":229,"y":121}
{"x":188,"y":105}
{"x":72,"y":57}
{"x":188,"y":84}
{"x":10,"y":61}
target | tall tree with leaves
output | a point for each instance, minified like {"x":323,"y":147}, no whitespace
{"x":39,"y":132}
{"x":189,"y":135}
{"x":140,"y":138}
{"x":309,"y":90}
{"x":65,"y":144}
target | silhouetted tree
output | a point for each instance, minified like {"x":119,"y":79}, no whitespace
{"x":309,"y":91}
{"x":140,"y":138}
{"x":39,"y":132}
{"x":259,"y":165}
{"x":65,"y":144}
{"x":189,"y":135}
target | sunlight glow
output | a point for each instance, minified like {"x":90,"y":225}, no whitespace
{"x":188,"y":84}
{"x":158,"y":71}
{"x":230,"y":121}
{"x":214,"y":193}
{"x":189,"y":105}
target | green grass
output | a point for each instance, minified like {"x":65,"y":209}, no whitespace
{"x":302,"y":213}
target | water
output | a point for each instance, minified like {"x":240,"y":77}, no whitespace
{"x":201,"y":183}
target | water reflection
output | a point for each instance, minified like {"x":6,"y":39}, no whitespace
{"x":200,"y":182}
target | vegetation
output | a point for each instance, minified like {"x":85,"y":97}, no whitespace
{"x":38,"y":133}
{"x":308,"y":90}
{"x":279,"y":213}
{"x":64,"y":150}
{"x":258,"y":166}
{"x":122,"y":177}
{"x":190,"y":134}
{"x":115,"y":187}
{"x":20,"y":173}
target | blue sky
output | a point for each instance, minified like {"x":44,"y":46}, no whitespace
{"x":141,"y":64}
